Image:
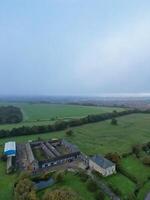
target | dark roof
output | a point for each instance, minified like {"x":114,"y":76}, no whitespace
{"x":102,"y":162}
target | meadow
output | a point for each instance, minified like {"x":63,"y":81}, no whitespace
{"x":102,"y":137}
{"x":42,"y":113}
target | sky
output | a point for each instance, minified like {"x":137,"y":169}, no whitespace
{"x":74,"y":47}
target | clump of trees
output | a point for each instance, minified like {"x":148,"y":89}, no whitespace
{"x":83,"y":176}
{"x":136,"y":149}
{"x":24,"y":188}
{"x":61,"y":194}
{"x":69,"y":132}
{"x":10,"y":114}
{"x":59,"y":176}
{"x":114,"y":157}
{"x":146,"y":148}
{"x":114,"y":121}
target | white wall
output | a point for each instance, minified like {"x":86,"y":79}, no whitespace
{"x":104,"y":172}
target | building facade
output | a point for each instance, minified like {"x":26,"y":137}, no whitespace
{"x":102,"y":165}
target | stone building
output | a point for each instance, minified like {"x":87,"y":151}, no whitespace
{"x":102,"y":165}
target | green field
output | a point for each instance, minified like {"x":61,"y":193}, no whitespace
{"x":102,"y":137}
{"x":41,"y":114}
{"x":6,"y":182}
{"x":136,"y":167}
{"x":122,"y":183}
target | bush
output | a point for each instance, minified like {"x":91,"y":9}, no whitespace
{"x":146,"y":160}
{"x":136,"y":149}
{"x":61,"y":194}
{"x":83,"y":176}
{"x":3,"y":157}
{"x":24,"y":188}
{"x":114,"y":121}
{"x":69,"y":132}
{"x":59,"y":176}
{"x":114,"y":157}
{"x":125,"y":155}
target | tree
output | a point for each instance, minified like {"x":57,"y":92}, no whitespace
{"x":59,"y":176}
{"x":61,"y":194}
{"x":24,"y":188}
{"x":114,"y":157}
{"x":3,"y":157}
{"x":114,"y":121}
{"x":136,"y":150}
{"x":146,"y":160}
{"x":69,"y":132}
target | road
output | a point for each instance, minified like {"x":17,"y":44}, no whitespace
{"x":148,"y":197}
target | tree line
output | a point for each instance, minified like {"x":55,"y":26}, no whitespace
{"x":62,"y":124}
{"x":10,"y":115}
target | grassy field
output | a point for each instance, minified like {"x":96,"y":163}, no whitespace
{"x":136,"y":167}
{"x":41,"y":114}
{"x":102,"y":137}
{"x":122,"y":183}
{"x":6,"y":182}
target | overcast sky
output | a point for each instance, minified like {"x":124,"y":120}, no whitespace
{"x":74,"y":47}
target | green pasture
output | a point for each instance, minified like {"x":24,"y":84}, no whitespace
{"x":122,"y":183}
{"x":43,"y":114}
{"x":102,"y":137}
{"x":135,"y":167}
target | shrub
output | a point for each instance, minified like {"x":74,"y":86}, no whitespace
{"x":114,"y":157}
{"x":59,"y":176}
{"x":69,"y":132}
{"x":146,"y":160}
{"x":136,"y":149}
{"x":61,"y":194}
{"x":114,"y":121}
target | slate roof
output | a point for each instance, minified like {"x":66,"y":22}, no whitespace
{"x":102,"y":162}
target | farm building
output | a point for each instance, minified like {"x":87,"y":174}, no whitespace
{"x":9,"y":164}
{"x":102,"y":165}
{"x":38,"y":155}
{"x":33,"y":164}
{"x":10,"y":149}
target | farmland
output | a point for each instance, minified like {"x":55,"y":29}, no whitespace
{"x":42,"y":114}
{"x":102,"y":137}
{"x":94,"y":138}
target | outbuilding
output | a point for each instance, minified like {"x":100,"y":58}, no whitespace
{"x":102,"y":165}
{"x":10,"y":148}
